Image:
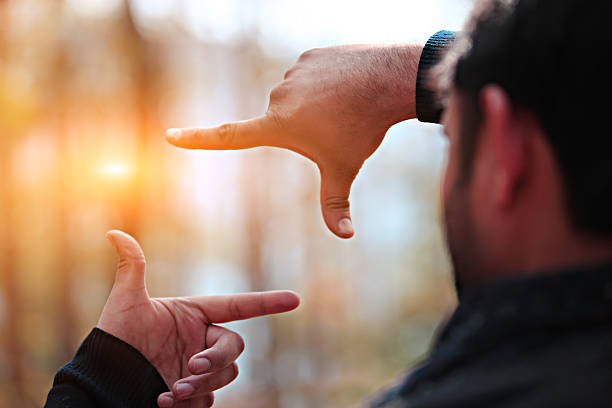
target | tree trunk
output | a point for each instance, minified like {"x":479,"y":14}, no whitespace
{"x":9,"y":264}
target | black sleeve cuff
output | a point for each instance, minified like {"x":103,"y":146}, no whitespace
{"x":110,"y":373}
{"x":426,"y":107}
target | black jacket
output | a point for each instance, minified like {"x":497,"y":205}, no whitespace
{"x":544,"y":341}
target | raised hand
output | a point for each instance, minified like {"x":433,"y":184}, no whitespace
{"x":334,"y":107}
{"x":178,"y":335}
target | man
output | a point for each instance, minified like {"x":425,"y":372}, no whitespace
{"x":526,"y":195}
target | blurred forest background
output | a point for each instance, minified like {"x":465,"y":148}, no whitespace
{"x":87,"y":88}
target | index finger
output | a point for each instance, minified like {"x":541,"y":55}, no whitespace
{"x":230,"y":136}
{"x":227,"y":308}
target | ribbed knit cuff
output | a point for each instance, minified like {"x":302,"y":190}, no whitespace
{"x":426,"y":108}
{"x":112,"y":373}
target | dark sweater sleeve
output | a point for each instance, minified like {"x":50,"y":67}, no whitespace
{"x":426,"y":108}
{"x":106,"y":372}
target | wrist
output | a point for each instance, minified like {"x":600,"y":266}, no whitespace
{"x":397,"y":67}
{"x":112,"y":373}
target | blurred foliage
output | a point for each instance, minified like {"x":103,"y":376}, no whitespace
{"x":84,"y":101}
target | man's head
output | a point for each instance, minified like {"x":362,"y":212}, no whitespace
{"x":529,"y":184}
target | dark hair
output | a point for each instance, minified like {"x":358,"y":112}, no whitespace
{"x":553,"y":58}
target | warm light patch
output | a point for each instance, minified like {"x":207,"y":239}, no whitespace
{"x":115,"y":169}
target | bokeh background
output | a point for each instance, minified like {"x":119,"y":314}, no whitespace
{"x":87,"y":88}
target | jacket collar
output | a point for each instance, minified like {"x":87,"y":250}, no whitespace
{"x":545,"y":301}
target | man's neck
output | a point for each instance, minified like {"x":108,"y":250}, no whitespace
{"x":538,"y":255}
{"x":558,"y":254}
{"x":575,"y":250}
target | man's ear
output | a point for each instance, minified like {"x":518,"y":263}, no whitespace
{"x":508,"y":145}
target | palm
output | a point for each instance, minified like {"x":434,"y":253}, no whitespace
{"x":180,"y":336}
{"x":171,"y":332}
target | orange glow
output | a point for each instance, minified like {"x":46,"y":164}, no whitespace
{"x":115,"y":169}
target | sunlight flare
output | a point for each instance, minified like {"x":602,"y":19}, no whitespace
{"x":115,"y":169}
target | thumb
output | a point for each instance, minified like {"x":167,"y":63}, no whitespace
{"x":335,"y":190}
{"x":131,"y":268}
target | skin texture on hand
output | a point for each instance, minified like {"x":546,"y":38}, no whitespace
{"x":178,"y":335}
{"x":334,"y":106}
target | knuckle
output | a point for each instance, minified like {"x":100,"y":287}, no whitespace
{"x":138,"y":260}
{"x":289,"y":72}
{"x":216,"y":357}
{"x":280,"y":90}
{"x":134,"y":260}
{"x":336,"y":203}
{"x":240,"y":345}
{"x":261,"y":301}
{"x":234,"y":310}
{"x":308,"y":54}
{"x":227,"y":133}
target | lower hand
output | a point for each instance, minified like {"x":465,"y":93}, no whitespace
{"x":178,"y":335}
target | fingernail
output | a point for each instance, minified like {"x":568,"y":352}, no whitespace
{"x":200,"y":365}
{"x":184,"y":390}
{"x":345,"y":226}
{"x":173,"y":133}
{"x":165,"y":401}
